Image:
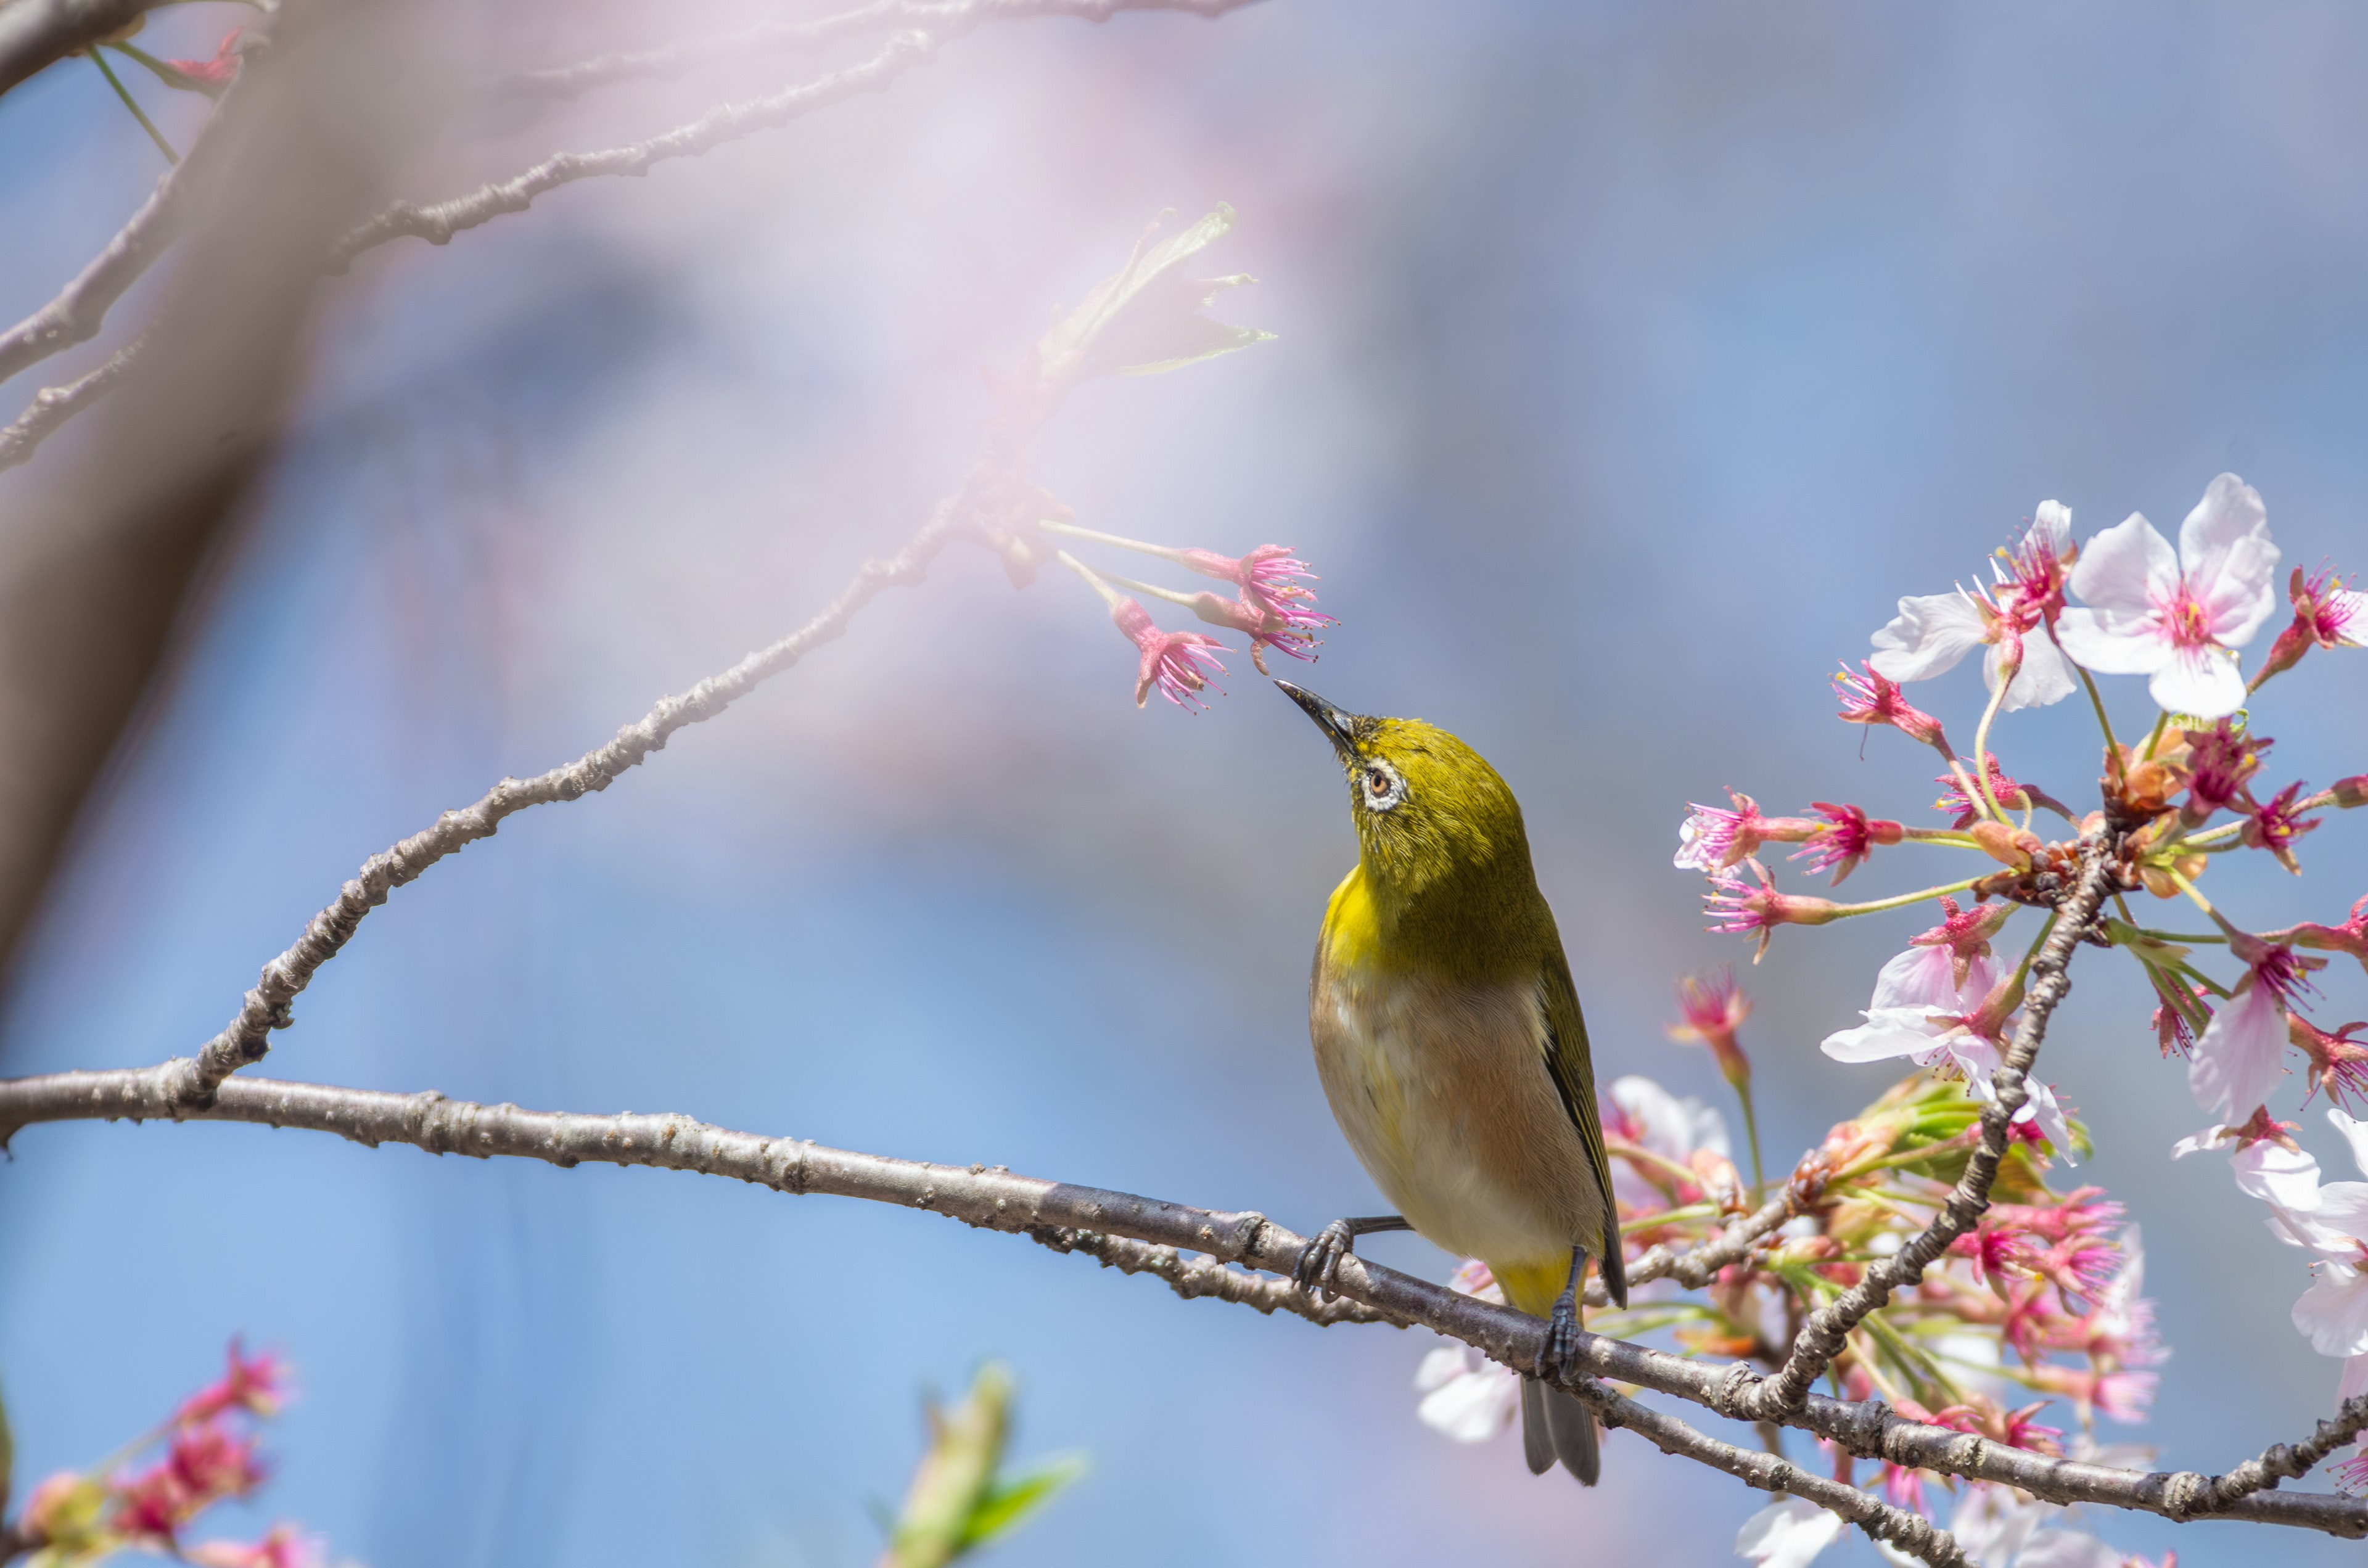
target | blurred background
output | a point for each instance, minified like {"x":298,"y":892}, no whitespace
{"x":1630,"y":361}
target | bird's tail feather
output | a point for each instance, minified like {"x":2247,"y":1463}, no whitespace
{"x":1557,"y":1425}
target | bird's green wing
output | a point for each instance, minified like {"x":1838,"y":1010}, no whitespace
{"x":1574,"y":1075}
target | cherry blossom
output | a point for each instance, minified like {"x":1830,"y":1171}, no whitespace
{"x":1712,"y":839}
{"x":1869,"y":698}
{"x":1713,"y":1006}
{"x":1933,"y":632}
{"x":2178,"y":618}
{"x":1847,"y":838}
{"x":2327,"y":615}
{"x":1466,"y":1396}
{"x":1788,"y":1533}
{"x":1171,"y":659}
{"x":1642,"y":1112}
{"x":2241,"y":1056}
{"x":1741,"y":909}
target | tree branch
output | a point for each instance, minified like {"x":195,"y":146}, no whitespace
{"x":36,"y":34}
{"x":1054,"y":1214}
{"x":439,"y":222}
{"x":673,"y":59}
{"x":247,"y":1037}
{"x":1910,"y":1532}
{"x":1749,"y":1398}
{"x":81,"y":307}
{"x":2278,"y":1463}
{"x":52,"y":406}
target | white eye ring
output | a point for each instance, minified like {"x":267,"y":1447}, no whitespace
{"x":1380,"y":785}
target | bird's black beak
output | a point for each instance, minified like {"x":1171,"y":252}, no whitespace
{"x":1339,"y":728}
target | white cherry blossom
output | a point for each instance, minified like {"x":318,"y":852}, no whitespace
{"x":1466,"y":1396}
{"x":1788,"y":1533}
{"x":1933,"y":632}
{"x":2177,"y":617}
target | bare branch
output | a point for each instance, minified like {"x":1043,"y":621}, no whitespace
{"x":951,"y":19}
{"x":938,"y":16}
{"x":247,"y":1036}
{"x":52,"y":406}
{"x":1822,"y":1337}
{"x":1056,"y":1213}
{"x":36,"y":34}
{"x":81,"y":307}
{"x":2279,"y":1462}
{"x":1697,"y":1266}
{"x":1910,"y":1532}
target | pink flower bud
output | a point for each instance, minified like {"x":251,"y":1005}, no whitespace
{"x":1171,"y":659}
{"x":1711,"y":840}
{"x":2277,"y":825}
{"x":211,"y":76}
{"x":1740,"y":908}
{"x":2338,"y":1063}
{"x":1846,"y":840}
{"x":1871,"y":698}
{"x":1713,"y":1006}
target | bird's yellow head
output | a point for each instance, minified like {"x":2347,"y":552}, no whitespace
{"x":1432,"y":817}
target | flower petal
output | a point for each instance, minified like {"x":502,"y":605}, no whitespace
{"x":1474,"y":1405}
{"x":2201,"y":681}
{"x":1929,"y":635}
{"x":2277,"y":1174}
{"x":2242,"y":596}
{"x":2230,"y":512}
{"x":2125,"y":570}
{"x":2355,"y":1133}
{"x":2046,"y":677}
{"x":1926,"y":978}
{"x":2241,"y":1055}
{"x":2333,"y":1313}
{"x":1788,"y":1533}
{"x":2068,"y":1548}
{"x":2113,"y":644}
{"x":1888,"y":1032}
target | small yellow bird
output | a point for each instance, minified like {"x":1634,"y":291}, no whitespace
{"x":1449,"y":1039}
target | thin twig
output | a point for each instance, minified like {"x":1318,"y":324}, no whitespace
{"x":673,"y":59}
{"x":52,"y":406}
{"x":81,"y":307}
{"x":1749,"y":1398}
{"x":247,"y":1037}
{"x":35,"y":34}
{"x":943,"y":22}
{"x":995,"y":1199}
{"x":2280,"y":1462}
{"x":1910,"y":1532}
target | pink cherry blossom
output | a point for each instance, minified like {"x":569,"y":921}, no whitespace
{"x":211,"y":76}
{"x":2351,"y":937}
{"x":1466,"y":1396}
{"x":2337,"y":1062}
{"x":2178,"y":618}
{"x":2276,"y":824}
{"x":2241,"y":1056}
{"x":283,"y":1548}
{"x":1933,"y":632}
{"x":1712,"y":839}
{"x":1741,"y":909}
{"x":1849,"y":837}
{"x":1870,"y":697}
{"x":256,"y":1384}
{"x":2327,"y":615}
{"x":1171,"y":659}
{"x":1637,"y":1110}
{"x":1714,"y":1007}
{"x":1267,"y":577}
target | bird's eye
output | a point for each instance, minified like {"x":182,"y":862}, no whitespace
{"x":1378,"y":782}
{"x":1385,"y":788}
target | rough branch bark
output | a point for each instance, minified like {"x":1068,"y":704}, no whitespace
{"x":52,"y":406}
{"x":2197,"y":1495}
{"x":36,"y":34}
{"x":247,"y":1037}
{"x":1050,"y":1212}
{"x":1749,"y":1398}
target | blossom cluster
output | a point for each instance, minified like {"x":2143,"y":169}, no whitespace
{"x":206,"y":1453}
{"x":2041,"y":1304}
{"x":2032,"y":1323}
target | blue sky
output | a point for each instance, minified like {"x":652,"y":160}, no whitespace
{"x":1630,"y":361}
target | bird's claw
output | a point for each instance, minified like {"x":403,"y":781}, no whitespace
{"x":1558,"y":1357}
{"x":1319,"y":1260}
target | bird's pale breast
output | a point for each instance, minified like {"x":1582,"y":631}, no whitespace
{"x":1443,"y":1090}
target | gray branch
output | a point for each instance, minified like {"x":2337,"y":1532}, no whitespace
{"x":1060,"y":1214}
{"x":1749,"y":1398}
{"x":80,"y":308}
{"x":436,"y":224}
{"x":52,"y":406}
{"x":36,"y":34}
{"x":1910,"y":1532}
{"x":2199,"y":1494}
{"x":934,"y":16}
{"x":247,"y":1037}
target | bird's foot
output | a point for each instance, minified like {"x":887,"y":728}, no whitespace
{"x":1558,"y":1357}
{"x":1319,"y":1260}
